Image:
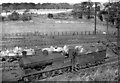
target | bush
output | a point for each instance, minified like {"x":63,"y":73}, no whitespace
{"x":26,"y":18}
{"x":77,"y":14}
{"x":1,"y":18}
{"x":50,"y":15}
{"x":14,"y":16}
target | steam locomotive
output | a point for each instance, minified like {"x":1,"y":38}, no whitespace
{"x":48,"y":65}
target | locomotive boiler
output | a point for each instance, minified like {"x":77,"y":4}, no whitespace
{"x":47,"y":65}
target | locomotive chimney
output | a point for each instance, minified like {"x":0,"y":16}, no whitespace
{"x":24,"y":53}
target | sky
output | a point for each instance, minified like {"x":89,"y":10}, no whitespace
{"x":49,"y":1}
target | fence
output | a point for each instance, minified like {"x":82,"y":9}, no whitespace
{"x":52,"y":38}
{"x":49,"y":34}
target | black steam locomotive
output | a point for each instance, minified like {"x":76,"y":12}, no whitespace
{"x":47,"y":65}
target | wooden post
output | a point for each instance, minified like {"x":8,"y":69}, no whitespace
{"x":118,"y":36}
{"x":85,"y":32}
{"x":58,"y":33}
{"x":51,"y":33}
{"x":95,"y":17}
{"x":62,"y":33}
{"x":81,"y":33}
{"x":77,"y":33}
{"x":66,"y":33}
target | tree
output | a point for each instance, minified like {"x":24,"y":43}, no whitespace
{"x":77,"y":14}
{"x":50,"y":15}
{"x":26,"y":17}
{"x":110,"y":12}
{"x":38,"y":6}
{"x":14,"y":16}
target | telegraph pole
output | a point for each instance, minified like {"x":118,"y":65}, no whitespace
{"x":117,"y":18}
{"x":118,"y":36}
{"x":118,"y":29}
{"x":89,"y":9}
{"x":108,"y":18}
{"x":95,"y":17}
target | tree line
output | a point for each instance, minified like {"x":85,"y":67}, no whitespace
{"x":84,"y":9}
{"x":79,"y":10}
{"x":16,"y":17}
{"x":36,"y":6}
{"x":111,"y":13}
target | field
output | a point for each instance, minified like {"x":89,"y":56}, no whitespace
{"x":42,"y":24}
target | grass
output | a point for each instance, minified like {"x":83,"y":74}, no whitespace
{"x":47,"y":25}
{"x":42,"y":24}
{"x":102,"y":73}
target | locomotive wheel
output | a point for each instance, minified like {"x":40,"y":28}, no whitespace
{"x":25,"y":79}
{"x":87,"y":65}
{"x":48,"y":74}
{"x":33,"y":77}
{"x":68,"y":69}
{"x":83,"y":66}
{"x":36,"y":77}
{"x":44,"y":75}
{"x":96,"y":63}
{"x":77,"y":67}
{"x":99,"y":62}
{"x":54,"y":73}
{"x":28,"y":70}
{"x":63,"y":70}
{"x":102,"y":61}
{"x":39,"y":76}
{"x":60,"y":72}
{"x":92,"y":64}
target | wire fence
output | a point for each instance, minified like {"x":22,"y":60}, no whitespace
{"x":48,"y":34}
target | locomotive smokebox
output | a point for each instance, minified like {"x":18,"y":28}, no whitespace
{"x":24,"y":53}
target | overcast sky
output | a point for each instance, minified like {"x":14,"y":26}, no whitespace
{"x":50,"y":1}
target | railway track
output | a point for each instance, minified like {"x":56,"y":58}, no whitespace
{"x":39,"y":75}
{"x":62,"y":40}
{"x":113,"y":63}
{"x":47,"y":74}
